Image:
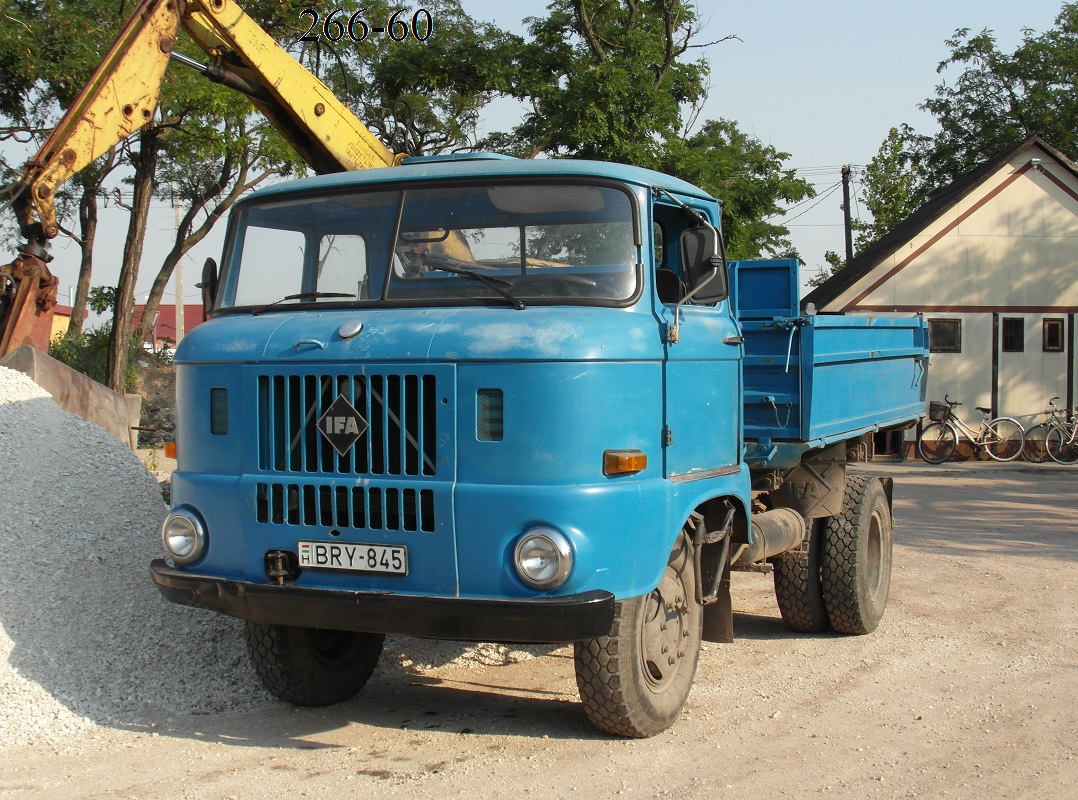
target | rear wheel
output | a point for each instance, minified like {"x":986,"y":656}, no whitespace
{"x":309,"y":666}
{"x":857,"y":550}
{"x":635,"y":681}
{"x":1035,"y":444}
{"x":937,"y":442}
{"x":1003,"y":439}
{"x":1061,"y":446}
{"x":797,"y":584}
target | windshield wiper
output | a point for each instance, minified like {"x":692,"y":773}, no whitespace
{"x":300,"y":296}
{"x":497,"y":284}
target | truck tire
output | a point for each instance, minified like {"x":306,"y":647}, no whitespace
{"x":797,"y":584}
{"x":857,"y":549}
{"x":634,"y":682}
{"x":312,"y":667}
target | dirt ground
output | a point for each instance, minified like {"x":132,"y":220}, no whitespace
{"x":968,"y":690}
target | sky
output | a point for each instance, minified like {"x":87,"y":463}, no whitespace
{"x":823,"y":81}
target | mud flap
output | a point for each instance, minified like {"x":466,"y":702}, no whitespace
{"x":719,"y":616}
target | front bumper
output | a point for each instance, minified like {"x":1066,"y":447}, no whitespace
{"x":540,"y":619}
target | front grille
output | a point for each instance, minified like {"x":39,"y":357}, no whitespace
{"x":374,"y":508}
{"x":400,"y":411}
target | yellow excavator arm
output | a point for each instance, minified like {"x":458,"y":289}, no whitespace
{"x":121,"y":97}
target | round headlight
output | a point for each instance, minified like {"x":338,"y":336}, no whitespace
{"x":183,"y":537}
{"x":543,"y":558}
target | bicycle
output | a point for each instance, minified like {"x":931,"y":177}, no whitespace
{"x":1035,"y":446}
{"x":1001,"y":437}
{"x":1061,"y":442}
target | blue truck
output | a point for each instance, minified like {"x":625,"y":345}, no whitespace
{"x":488,"y":399}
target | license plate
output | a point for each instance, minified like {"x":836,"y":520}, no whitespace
{"x":390,"y":559}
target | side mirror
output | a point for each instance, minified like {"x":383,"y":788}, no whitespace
{"x":704,"y":263}
{"x":208,"y":287}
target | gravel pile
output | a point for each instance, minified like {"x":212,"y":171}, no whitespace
{"x":85,"y":637}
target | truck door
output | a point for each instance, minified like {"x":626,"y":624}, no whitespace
{"x":702,"y":370}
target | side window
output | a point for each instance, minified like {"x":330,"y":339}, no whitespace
{"x":1014,"y":335}
{"x":342,"y":265}
{"x":945,"y":335}
{"x":1052,"y":335}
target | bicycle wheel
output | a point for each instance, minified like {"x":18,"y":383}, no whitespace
{"x":1061,"y":445}
{"x":937,"y":442}
{"x":1034,"y":446}
{"x":1003,"y":439}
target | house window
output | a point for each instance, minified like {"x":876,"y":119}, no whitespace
{"x":1052,"y":335}
{"x":1014,"y":335}
{"x":945,"y":335}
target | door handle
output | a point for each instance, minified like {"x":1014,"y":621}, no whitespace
{"x":733,"y":340}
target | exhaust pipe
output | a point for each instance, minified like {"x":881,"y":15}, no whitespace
{"x":773,"y":532}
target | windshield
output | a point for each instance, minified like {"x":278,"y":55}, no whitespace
{"x":519,"y":245}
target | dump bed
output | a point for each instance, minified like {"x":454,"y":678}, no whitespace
{"x":815,"y":379}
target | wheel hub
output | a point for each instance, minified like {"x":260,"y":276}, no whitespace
{"x":664,"y":631}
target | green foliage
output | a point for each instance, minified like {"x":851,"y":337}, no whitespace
{"x":891,"y":191}
{"x":87,"y":353}
{"x":612,"y":80}
{"x":996,"y":102}
{"x":419,"y":97}
{"x":749,"y":178}
{"x":102,"y":299}
{"x":426,"y":97}
{"x":18,"y":58}
{"x":833,"y":263}
{"x":606,"y":79}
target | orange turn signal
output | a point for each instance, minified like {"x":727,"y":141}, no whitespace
{"x":621,"y":462}
{"x":170,"y":449}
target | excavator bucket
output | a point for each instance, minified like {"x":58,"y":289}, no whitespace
{"x":27,"y":298}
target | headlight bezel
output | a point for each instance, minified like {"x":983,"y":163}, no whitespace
{"x":554,"y":567}
{"x":183,"y":524}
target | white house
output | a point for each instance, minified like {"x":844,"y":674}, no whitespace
{"x":992,"y":263}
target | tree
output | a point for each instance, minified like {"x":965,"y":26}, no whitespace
{"x":833,"y":262}
{"x":749,"y":178}
{"x":204,"y":184}
{"x":88,"y":185}
{"x":890,"y":191}
{"x":18,"y":59}
{"x":606,"y":80}
{"x":614,"y":80}
{"x":997,"y":101}
{"x":426,"y":97}
{"x":1001,"y":99}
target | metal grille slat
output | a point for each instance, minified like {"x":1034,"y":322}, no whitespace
{"x":400,"y":410}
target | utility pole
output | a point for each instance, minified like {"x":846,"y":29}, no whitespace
{"x":846,"y":213}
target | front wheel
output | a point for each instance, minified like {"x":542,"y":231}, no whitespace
{"x":309,"y":666}
{"x":635,"y":681}
{"x":1035,"y":443}
{"x":1061,"y":445}
{"x":937,"y":442}
{"x":1003,"y":439}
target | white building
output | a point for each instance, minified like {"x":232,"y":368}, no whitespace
{"x":992,"y":263}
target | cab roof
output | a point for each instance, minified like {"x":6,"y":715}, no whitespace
{"x":466,"y":166}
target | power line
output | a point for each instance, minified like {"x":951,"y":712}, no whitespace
{"x":818,"y":200}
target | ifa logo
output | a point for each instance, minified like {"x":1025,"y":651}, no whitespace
{"x":342,"y":425}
